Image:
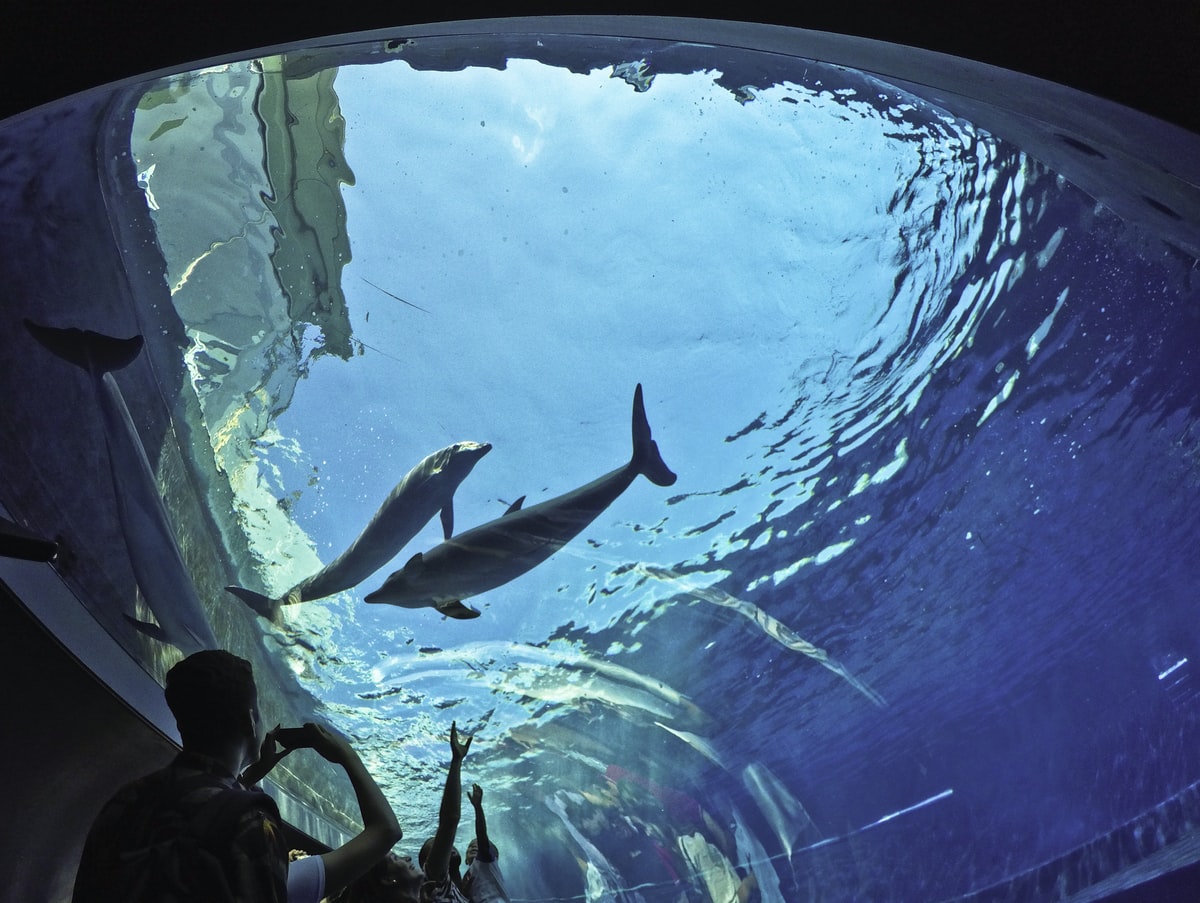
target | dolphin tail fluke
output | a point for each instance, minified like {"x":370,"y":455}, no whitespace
{"x":457,"y":610}
{"x":262,"y":605}
{"x":93,"y":351}
{"x":647,"y":459}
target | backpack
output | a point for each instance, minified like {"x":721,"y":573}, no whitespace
{"x":189,"y":862}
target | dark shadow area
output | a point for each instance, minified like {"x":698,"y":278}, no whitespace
{"x":78,"y":742}
{"x":1142,"y":59}
{"x":1181,"y":886}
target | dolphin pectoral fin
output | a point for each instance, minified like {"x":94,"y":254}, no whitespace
{"x":458,"y":611}
{"x":260,"y":604}
{"x":151,"y":630}
{"x":448,"y":519}
{"x":415,"y":564}
{"x":516,"y":506}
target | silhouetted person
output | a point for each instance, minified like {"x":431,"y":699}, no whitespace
{"x":483,"y":881}
{"x":313,"y":878}
{"x":191,"y":832}
{"x":439,"y":860}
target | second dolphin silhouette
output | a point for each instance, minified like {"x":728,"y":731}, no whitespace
{"x":424,"y":491}
{"x":501,"y":550}
{"x":158,"y":566}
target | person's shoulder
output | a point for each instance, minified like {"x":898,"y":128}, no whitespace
{"x":136,"y":794}
{"x":147,"y":783}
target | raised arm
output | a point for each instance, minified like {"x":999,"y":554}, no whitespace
{"x":269,"y":755}
{"x":437,"y":865}
{"x":380,"y":830}
{"x":484,"y":844}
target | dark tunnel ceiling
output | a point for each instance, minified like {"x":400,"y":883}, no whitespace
{"x":1143,"y":60}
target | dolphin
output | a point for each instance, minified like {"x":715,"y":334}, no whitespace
{"x":153,"y":551}
{"x":424,"y":491}
{"x":771,"y":626}
{"x":501,"y":550}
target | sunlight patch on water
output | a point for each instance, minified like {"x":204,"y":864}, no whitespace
{"x":1039,"y":335}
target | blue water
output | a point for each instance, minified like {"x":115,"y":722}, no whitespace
{"x":917,"y":616}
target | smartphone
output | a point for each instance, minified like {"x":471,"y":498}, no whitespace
{"x":293,"y":737}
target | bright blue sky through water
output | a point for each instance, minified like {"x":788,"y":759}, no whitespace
{"x":567,"y":238}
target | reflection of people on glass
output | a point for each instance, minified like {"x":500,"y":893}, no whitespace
{"x":683,"y":811}
{"x":628,"y":824}
{"x":483,"y":881}
{"x":314,"y":877}
{"x":439,"y":860}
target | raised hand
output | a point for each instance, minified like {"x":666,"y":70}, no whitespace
{"x":458,"y":751}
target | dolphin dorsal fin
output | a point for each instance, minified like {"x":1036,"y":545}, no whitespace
{"x":515,"y":506}
{"x":448,"y":519}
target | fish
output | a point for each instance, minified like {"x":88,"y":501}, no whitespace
{"x":154,"y":554}
{"x":503,"y":549}
{"x":423,"y":492}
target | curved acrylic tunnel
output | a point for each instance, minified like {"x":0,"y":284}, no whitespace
{"x":891,"y":599}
